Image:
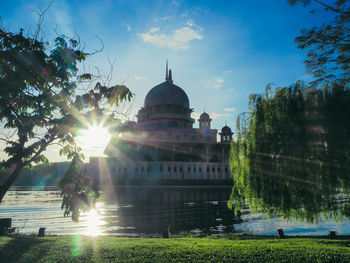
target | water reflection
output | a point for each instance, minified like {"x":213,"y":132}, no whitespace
{"x":147,"y":212}
{"x":126,"y":211}
{"x":94,"y":223}
{"x":174,"y":210}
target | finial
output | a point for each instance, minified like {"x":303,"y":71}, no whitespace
{"x":166,"y":71}
{"x":170,"y":76}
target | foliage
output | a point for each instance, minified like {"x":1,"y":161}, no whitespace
{"x":292,"y":157}
{"x":78,"y":190}
{"x":42,"y":103}
{"x":328,"y":45}
{"x":116,"y":249}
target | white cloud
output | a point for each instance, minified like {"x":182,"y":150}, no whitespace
{"x":62,"y":17}
{"x":154,"y":29}
{"x":216,"y":115}
{"x":164,"y":18}
{"x":128,"y":27}
{"x":176,"y":3}
{"x":230,"y":109}
{"x":227,"y":72}
{"x":140,"y":78}
{"x":185,"y":14}
{"x":216,"y":83}
{"x":191,"y":23}
{"x":219,"y":80}
{"x":195,"y":115}
{"x":179,"y":39}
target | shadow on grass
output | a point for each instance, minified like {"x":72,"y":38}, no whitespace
{"x":262,"y":237}
{"x":20,"y":249}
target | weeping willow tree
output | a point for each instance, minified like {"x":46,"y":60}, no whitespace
{"x":291,"y":157}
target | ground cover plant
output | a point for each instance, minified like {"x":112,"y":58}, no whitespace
{"x":115,"y":249}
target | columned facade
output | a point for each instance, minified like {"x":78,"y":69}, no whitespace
{"x":162,"y":170}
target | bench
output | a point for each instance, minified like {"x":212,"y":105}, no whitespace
{"x":280,"y":233}
{"x":5,"y":224}
{"x":332,"y":234}
{"x":41,"y":232}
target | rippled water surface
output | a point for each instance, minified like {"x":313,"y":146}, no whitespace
{"x":141,"y":211}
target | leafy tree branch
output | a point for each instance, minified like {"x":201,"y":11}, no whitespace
{"x":328,"y":45}
{"x":41,"y":105}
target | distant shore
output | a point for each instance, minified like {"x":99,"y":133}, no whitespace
{"x":231,"y":248}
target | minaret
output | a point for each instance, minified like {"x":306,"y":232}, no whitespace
{"x":166,"y":72}
{"x":170,"y":76}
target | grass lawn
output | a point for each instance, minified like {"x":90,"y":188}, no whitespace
{"x":115,"y":249}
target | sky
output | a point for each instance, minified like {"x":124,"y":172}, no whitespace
{"x":220,"y":52}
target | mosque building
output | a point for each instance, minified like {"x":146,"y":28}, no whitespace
{"x":163,"y":147}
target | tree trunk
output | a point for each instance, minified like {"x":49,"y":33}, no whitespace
{"x":9,"y":181}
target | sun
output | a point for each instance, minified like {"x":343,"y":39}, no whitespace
{"x":94,"y":140}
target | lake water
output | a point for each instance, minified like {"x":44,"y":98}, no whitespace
{"x":142,"y":211}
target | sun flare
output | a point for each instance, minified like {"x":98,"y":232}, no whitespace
{"x":93,"y":223}
{"x":95,"y":136}
{"x":94,"y":140}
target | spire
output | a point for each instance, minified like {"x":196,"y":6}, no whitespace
{"x":170,"y":76}
{"x":166,"y":71}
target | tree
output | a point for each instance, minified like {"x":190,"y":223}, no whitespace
{"x":292,"y":156}
{"x":41,"y":104}
{"x":328,"y":45}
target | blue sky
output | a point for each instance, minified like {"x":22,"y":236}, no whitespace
{"x":220,"y":52}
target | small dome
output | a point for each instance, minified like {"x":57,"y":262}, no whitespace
{"x":204,"y":116}
{"x":226,"y":130}
{"x":167,"y":93}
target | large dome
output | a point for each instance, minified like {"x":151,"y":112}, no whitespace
{"x":167,"y":93}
